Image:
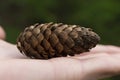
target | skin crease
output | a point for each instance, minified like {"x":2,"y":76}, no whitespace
{"x":101,"y":62}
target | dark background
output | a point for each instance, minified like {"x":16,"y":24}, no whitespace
{"x":103,"y":16}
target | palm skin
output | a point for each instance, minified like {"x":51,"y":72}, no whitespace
{"x":102,"y":61}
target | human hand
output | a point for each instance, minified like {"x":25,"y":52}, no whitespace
{"x":2,"y":33}
{"x":100,"y":62}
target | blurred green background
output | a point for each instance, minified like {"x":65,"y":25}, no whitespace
{"x":101,"y":15}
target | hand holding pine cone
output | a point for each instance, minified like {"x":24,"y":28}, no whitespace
{"x":45,"y":41}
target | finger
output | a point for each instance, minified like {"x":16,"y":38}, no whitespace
{"x":101,"y":67}
{"x":89,"y":55}
{"x":89,"y":69}
{"x":106,"y":48}
{"x":2,"y":33}
{"x":100,"y":50}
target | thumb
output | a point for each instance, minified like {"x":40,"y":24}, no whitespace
{"x":2,"y":33}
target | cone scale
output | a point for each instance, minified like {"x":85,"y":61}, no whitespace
{"x":49,"y":40}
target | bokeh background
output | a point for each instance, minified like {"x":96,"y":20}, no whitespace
{"x":103,"y":16}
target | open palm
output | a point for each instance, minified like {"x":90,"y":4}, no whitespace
{"x":102,"y":61}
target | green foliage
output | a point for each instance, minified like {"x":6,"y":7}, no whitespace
{"x":101,"y":15}
{"x":12,"y":34}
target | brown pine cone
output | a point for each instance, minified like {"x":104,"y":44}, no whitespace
{"x":45,"y":41}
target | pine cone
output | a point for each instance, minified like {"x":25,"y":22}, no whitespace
{"x":45,"y":41}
